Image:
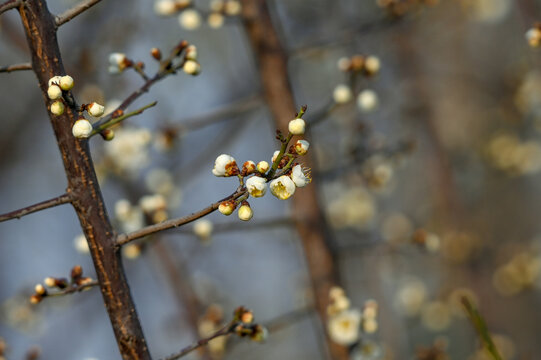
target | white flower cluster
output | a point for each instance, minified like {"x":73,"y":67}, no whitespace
{"x":129,"y":153}
{"x":344,"y":323}
{"x":191,"y":19}
{"x":282,"y":185}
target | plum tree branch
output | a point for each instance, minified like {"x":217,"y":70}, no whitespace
{"x":69,"y":14}
{"x":123,"y":239}
{"x":17,"y":214}
{"x":16,"y":67}
{"x":9,"y":4}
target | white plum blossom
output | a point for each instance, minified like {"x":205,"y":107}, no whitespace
{"x":301,"y":147}
{"x":245,"y":212}
{"x":80,"y":244}
{"x":262,"y":167}
{"x":152,"y":203}
{"x":66,"y":83}
{"x":54,"y":80}
{"x":367,"y":100}
{"x":372,"y":64}
{"x":95,"y":109}
{"x":191,"y":67}
{"x":189,"y":19}
{"x":82,"y":128}
{"x":117,"y":63}
{"x":202,"y":228}
{"x":282,"y":187}
{"x":342,"y":94}
{"x":297,"y":126}
{"x":225,"y":165}
{"x":130,"y":217}
{"x":129,"y":153}
{"x":299,"y":177}
{"x":256,"y":186}
{"x":54,"y":92}
{"x":344,"y":328}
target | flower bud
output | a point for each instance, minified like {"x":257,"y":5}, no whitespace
{"x":275,"y":155}
{"x":165,"y":7}
{"x":117,"y":63}
{"x":256,"y":186}
{"x":95,"y":109}
{"x":367,"y":100}
{"x":297,"y":126}
{"x":215,"y":20}
{"x":35,"y":299}
{"x":57,"y":108}
{"x":202,"y":229}
{"x":227,"y":207}
{"x":283,"y":187}
{"x":248,"y":168}
{"x":189,"y":19}
{"x":191,"y":53}
{"x":533,"y":36}
{"x":225,"y":165}
{"x":262,"y":167}
{"x":245,"y":212}
{"x":372,"y":65}
{"x":39,"y":289}
{"x":342,"y":94}
{"x":82,"y":128}
{"x":54,"y":80}
{"x":50,"y":282}
{"x":54,"y":92}
{"x":232,"y":7}
{"x":344,"y":64}
{"x":107,"y":134}
{"x":156,"y":53}
{"x":66,"y":83}
{"x":191,"y":67}
{"x":301,"y":147}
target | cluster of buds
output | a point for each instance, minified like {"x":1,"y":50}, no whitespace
{"x":186,"y":52}
{"x":398,"y":8}
{"x":244,"y":326}
{"x":190,"y":19}
{"x":283,"y":176}
{"x":426,"y":240}
{"x":57,"y":85}
{"x":533,"y":35}
{"x":358,"y":65}
{"x":345,"y":323}
{"x":61,"y":286}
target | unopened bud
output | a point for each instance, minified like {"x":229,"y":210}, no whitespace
{"x":245,"y":211}
{"x":107,"y":134}
{"x":54,"y":92}
{"x":301,"y":147}
{"x":39,"y":289}
{"x":156,"y":53}
{"x":262,"y":167}
{"x":95,"y":109}
{"x":35,"y":299}
{"x":57,"y":108}
{"x":297,"y":126}
{"x":82,"y":128}
{"x":76,"y":272}
{"x":248,"y":168}
{"x":50,"y":282}
{"x":227,"y":207}
{"x":66,"y":83}
{"x":191,"y":67}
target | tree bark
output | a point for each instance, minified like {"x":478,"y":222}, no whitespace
{"x":40,"y":29}
{"x":311,"y":227}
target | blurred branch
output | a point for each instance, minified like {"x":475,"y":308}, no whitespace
{"x":226,"y":330}
{"x":16,"y":67}
{"x":288,"y":319}
{"x":116,"y":120}
{"x":74,"y":289}
{"x":9,"y":4}
{"x":74,"y":11}
{"x":311,"y":227}
{"x":481,"y":328}
{"x":59,"y":200}
{"x":241,"y":106}
{"x":126,"y":238}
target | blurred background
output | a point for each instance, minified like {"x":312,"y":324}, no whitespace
{"x":426,"y":170}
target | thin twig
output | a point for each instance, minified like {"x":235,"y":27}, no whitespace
{"x":8,"y":5}
{"x":481,"y":328}
{"x":16,"y":67}
{"x":116,"y":120}
{"x":282,"y":321}
{"x":74,"y":289}
{"x":59,"y":200}
{"x":74,"y":11}
{"x":226,"y":330}
{"x":126,"y":238}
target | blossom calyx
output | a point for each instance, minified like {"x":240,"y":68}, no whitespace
{"x":225,"y":165}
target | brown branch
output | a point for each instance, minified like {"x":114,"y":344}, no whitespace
{"x":8,"y":5}
{"x":17,"y":214}
{"x":226,"y":330}
{"x":16,"y":67}
{"x":74,"y":289}
{"x":40,"y":29}
{"x":123,"y":239}
{"x":311,"y":227}
{"x":74,"y":11}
